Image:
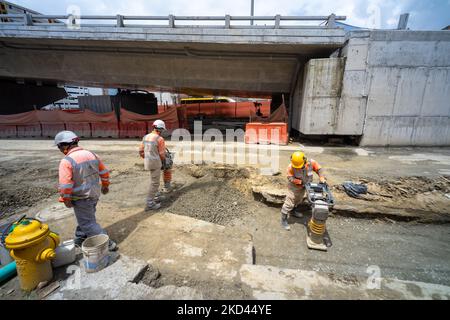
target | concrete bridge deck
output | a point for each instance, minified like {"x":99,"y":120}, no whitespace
{"x":224,"y":60}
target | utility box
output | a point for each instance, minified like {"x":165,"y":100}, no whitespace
{"x":320,"y":97}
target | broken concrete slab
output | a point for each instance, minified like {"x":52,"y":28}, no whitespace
{"x":116,"y":282}
{"x":193,"y":248}
{"x":268,"y":282}
{"x":271,"y":194}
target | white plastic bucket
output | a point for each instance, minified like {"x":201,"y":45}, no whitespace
{"x":95,"y":252}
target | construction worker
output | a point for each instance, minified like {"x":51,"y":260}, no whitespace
{"x":80,"y":173}
{"x":299,"y":173}
{"x":153,"y":149}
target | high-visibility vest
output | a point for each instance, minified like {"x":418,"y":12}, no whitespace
{"x":80,"y":173}
{"x":305,"y":174}
{"x":151,"y":147}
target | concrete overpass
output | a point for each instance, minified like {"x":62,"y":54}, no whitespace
{"x":228,"y":58}
{"x":384,"y":87}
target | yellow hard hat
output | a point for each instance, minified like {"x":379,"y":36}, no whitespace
{"x":298,"y":159}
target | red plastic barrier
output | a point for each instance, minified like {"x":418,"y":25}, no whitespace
{"x":82,"y":129}
{"x":29,"y":130}
{"x":104,"y":130}
{"x":133,"y":130}
{"x":266,"y":133}
{"x":8,"y":131}
{"x":50,"y":130}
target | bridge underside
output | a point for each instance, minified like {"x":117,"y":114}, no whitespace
{"x":252,"y":65}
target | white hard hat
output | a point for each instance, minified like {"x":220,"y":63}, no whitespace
{"x":65,"y":137}
{"x":159,"y":124}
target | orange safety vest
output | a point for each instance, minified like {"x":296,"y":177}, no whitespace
{"x":154,"y":147}
{"x":304,"y":174}
{"x":80,"y":172}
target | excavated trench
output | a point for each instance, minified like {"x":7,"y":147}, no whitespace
{"x":221,"y":194}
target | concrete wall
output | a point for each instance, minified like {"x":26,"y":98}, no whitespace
{"x":352,"y":104}
{"x":320,"y":96}
{"x":395,"y":90}
{"x":408,"y":88}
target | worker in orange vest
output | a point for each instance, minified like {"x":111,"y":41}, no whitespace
{"x":299,"y":173}
{"x":80,"y":173}
{"x":153,"y":149}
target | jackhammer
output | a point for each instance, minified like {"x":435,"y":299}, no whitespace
{"x":321,"y":200}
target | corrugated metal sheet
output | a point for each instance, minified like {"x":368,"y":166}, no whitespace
{"x":98,"y":104}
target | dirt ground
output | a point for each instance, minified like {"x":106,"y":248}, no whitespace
{"x":225,"y":195}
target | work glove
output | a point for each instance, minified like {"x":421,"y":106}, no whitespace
{"x":105,"y":190}
{"x":297,"y":182}
{"x":323,"y":180}
{"x":68,"y":203}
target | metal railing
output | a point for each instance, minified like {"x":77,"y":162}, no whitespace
{"x":275,"y":22}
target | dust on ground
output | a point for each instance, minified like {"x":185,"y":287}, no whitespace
{"x":213,"y":197}
{"x":214,"y":193}
{"x":26,"y":183}
{"x":213,"y":290}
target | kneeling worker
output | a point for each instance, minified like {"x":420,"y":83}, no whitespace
{"x":80,"y":172}
{"x":299,"y":173}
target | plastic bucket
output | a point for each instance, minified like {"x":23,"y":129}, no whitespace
{"x":95,"y":252}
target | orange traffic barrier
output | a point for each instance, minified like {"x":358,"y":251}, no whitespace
{"x":29,"y":130}
{"x":266,"y":133}
{"x":8,"y":131}
{"x":50,"y":130}
{"x":133,"y":130}
{"x":81,"y":129}
{"x":104,"y":130}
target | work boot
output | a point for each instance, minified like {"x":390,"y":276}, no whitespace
{"x":159,"y":197}
{"x":167,"y":187}
{"x":112,"y":246}
{"x":284,"y":222}
{"x":153,"y":206}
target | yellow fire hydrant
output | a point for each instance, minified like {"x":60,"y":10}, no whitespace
{"x":32,"y":245}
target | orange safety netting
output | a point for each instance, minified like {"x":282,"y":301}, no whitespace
{"x":56,"y":116}
{"x":168,"y":116}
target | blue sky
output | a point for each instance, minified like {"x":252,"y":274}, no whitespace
{"x":424,"y":15}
